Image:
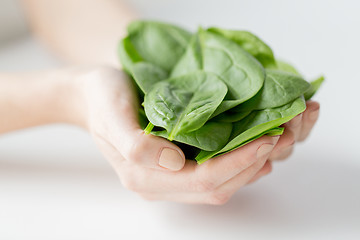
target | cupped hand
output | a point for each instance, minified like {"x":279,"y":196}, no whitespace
{"x":154,"y":167}
{"x":296,"y":130}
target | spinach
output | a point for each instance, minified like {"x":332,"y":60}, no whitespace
{"x":210,"y":137}
{"x":242,"y":73}
{"x":143,"y":121}
{"x":147,"y":74}
{"x":286,"y":67}
{"x":144,"y":52}
{"x":314,"y":87}
{"x":231,"y":116}
{"x":154,"y":41}
{"x":128,"y":55}
{"x":184,"y":104}
{"x":191,"y":61}
{"x":250,"y":43}
{"x":279,"y":89}
{"x":211,"y":91}
{"x":256,"y":124}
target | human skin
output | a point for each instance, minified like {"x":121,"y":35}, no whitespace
{"x":101,"y":100}
{"x":81,"y":31}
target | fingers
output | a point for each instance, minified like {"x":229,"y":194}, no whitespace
{"x":265,"y":170}
{"x":206,"y":177}
{"x":231,"y":186}
{"x":218,"y":170}
{"x":218,"y":196}
{"x":147,"y":180}
{"x":144,"y":150}
{"x":213,"y":182}
{"x":296,"y":130}
{"x":310,"y":117}
{"x":114,"y":114}
{"x":284,"y":146}
{"x":294,"y":125}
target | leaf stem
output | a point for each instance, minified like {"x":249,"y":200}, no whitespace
{"x":171,"y":137}
{"x":149,"y":128}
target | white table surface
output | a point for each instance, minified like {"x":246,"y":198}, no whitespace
{"x":54,"y":184}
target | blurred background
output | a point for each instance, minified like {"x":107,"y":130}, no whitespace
{"x":54,"y":184}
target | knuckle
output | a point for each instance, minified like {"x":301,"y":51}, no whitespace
{"x":130,"y":184}
{"x":137,"y":149}
{"x":134,"y":180}
{"x":219,"y":198}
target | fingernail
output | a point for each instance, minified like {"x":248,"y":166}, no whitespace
{"x":264,"y":150}
{"x":171,"y":159}
{"x":275,"y":139}
{"x":314,"y":115}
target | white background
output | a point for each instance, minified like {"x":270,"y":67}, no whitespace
{"x":54,"y":184}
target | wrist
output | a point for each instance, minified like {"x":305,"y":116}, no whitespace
{"x":69,"y":101}
{"x":33,"y":99}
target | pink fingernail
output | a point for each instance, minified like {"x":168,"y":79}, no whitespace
{"x":275,"y":139}
{"x":171,"y":159}
{"x":264,"y":150}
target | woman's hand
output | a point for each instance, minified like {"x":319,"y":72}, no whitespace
{"x":102,"y":100}
{"x":297,"y":130}
{"x":152,"y":166}
{"x":155,"y":168}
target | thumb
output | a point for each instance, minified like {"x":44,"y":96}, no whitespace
{"x":151,"y":151}
{"x":115,"y":110}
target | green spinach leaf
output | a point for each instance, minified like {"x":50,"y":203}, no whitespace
{"x":314,"y":87}
{"x":212,"y":91}
{"x":242,"y":73}
{"x":184,"y":104}
{"x":230,"y":116}
{"x":250,"y":43}
{"x":128,"y":55}
{"x":286,"y":67}
{"x":210,"y":137}
{"x":147,"y":75}
{"x":191,"y":61}
{"x":279,"y":89}
{"x":143,"y":121}
{"x":159,"y":43}
{"x":256,"y":124}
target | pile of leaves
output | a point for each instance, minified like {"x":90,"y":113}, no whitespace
{"x":211,"y":91}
